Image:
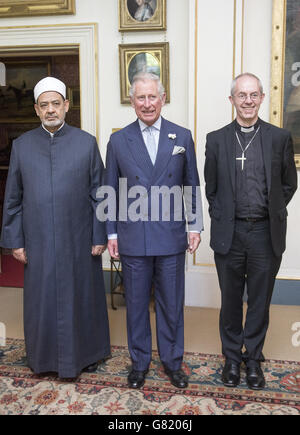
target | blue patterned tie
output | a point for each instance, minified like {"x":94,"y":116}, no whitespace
{"x":151,"y":145}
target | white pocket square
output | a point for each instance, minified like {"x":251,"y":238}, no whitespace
{"x":178,"y":150}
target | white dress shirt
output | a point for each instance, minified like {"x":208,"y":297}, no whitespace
{"x":155,"y":131}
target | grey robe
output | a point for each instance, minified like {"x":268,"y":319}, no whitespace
{"x":49,"y":210}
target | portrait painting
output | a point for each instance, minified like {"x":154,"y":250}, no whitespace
{"x":137,"y":58}
{"x":142,"y":15}
{"x":141,"y":10}
{"x":16,"y":98}
{"x":285,"y":94}
{"x":143,"y":62}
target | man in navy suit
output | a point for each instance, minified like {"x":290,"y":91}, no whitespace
{"x":250,"y":178}
{"x":149,"y":162}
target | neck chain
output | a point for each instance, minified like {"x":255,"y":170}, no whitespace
{"x":243,"y":158}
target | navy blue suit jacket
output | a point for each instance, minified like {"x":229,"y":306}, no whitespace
{"x":128,"y":158}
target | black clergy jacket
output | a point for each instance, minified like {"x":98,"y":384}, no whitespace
{"x":220,"y":178}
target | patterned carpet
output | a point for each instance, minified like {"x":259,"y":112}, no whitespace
{"x":105,"y":392}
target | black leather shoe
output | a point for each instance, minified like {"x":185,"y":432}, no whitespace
{"x":255,"y":378}
{"x":136,"y":378}
{"x":178,"y":378}
{"x":231,"y":374}
{"x":91,"y":368}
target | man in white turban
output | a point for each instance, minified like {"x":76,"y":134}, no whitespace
{"x":50,"y":224}
{"x":49,"y":84}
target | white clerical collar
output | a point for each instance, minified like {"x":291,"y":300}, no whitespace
{"x":156,"y":125}
{"x":52,"y":134}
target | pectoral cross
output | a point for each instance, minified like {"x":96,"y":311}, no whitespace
{"x":243,"y":158}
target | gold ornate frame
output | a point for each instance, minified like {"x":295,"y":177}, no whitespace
{"x":127,"y":52}
{"x":278,"y":65}
{"x":23,"y":8}
{"x":73,"y":93}
{"x":128,"y":23}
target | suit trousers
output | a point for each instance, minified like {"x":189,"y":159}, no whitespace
{"x":250,"y":262}
{"x":167,"y":275}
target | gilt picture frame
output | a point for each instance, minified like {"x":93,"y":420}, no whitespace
{"x":143,"y":15}
{"x":135,"y":58}
{"x":285,"y":81}
{"x":25,"y":8}
{"x":73,"y":94}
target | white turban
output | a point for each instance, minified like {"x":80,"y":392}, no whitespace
{"x":49,"y":84}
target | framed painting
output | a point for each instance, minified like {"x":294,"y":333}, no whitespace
{"x":24,"y":8}
{"x":285,"y":83}
{"x":136,"y":58}
{"x":16,"y":98}
{"x":73,"y":93}
{"x":142,"y":15}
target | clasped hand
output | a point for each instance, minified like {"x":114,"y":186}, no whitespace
{"x":98,"y":249}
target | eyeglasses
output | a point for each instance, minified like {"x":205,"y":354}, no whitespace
{"x":243,"y":97}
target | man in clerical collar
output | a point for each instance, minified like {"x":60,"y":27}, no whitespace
{"x":49,"y":222}
{"x":250,"y":178}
